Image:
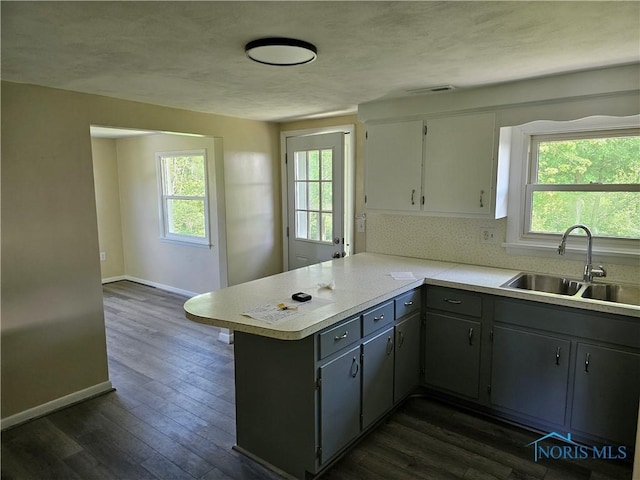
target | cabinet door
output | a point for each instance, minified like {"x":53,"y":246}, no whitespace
{"x":606,"y":391}
{"x":377,"y":377}
{"x":394,"y":166}
{"x":530,"y":373}
{"x":339,"y":402}
{"x":458,"y":164}
{"x":407,"y":361}
{"x":452,"y":354}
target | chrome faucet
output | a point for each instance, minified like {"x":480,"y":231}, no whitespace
{"x":589,"y":271}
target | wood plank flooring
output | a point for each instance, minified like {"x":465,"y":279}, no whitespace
{"x":173,"y":417}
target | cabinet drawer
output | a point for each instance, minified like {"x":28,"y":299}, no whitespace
{"x":455,"y":301}
{"x":339,"y":337}
{"x":408,"y":303}
{"x":377,"y":318}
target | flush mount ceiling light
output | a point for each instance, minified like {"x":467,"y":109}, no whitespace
{"x":284,"y":52}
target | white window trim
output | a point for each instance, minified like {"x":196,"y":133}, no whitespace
{"x":165,"y":235}
{"x":518,"y":242}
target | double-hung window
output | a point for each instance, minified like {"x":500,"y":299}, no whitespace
{"x":183,"y":186}
{"x":584,"y":171}
{"x":590,"y":177}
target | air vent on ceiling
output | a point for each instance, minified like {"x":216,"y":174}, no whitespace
{"x":437,"y":89}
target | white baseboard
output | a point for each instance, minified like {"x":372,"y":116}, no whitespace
{"x":56,"y":404}
{"x":168,"y":288}
{"x":114,"y":279}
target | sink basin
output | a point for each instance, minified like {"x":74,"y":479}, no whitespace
{"x":544,"y":283}
{"x":628,"y":294}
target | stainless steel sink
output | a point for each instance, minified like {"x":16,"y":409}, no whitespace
{"x":629,"y":294}
{"x":544,"y":283}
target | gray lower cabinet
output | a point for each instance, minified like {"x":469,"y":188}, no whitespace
{"x":377,"y":376}
{"x":452,"y":354}
{"x":530,"y":374}
{"x":606,"y":392}
{"x":300,"y":403}
{"x":407,"y":361}
{"x":339,"y":402}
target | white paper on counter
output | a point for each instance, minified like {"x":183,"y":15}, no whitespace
{"x":403,"y":276}
{"x":271,"y":313}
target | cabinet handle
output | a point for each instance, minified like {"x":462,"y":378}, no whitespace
{"x":381,"y":317}
{"x":453,"y":301}
{"x":341,"y":337}
{"x":354,"y":374}
{"x":481,"y":199}
{"x":471,"y":336}
{"x":413,"y":192}
{"x":586,"y":363}
{"x":409,"y":303}
{"x":558,"y":356}
{"x":400,"y":338}
{"x":389,"y":345}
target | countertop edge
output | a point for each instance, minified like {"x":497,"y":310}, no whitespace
{"x":475,"y":278}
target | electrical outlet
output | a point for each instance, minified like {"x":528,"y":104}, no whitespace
{"x":103,"y":256}
{"x":488,"y":235}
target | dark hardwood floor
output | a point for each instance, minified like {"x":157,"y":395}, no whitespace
{"x":172,"y":417}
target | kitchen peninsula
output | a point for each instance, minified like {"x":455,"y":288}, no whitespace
{"x":309,"y":384}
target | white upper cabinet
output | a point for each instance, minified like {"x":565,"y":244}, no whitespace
{"x":442,"y":166}
{"x":394,"y":166}
{"x":458,"y":164}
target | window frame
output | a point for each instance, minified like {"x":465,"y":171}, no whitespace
{"x":520,"y":239}
{"x":163,"y":198}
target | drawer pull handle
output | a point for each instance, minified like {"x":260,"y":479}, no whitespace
{"x":471,"y":336}
{"x":341,"y":337}
{"x":586,"y":363}
{"x":400,"y":338}
{"x":381,"y":317}
{"x":354,"y":373}
{"x":409,"y":303}
{"x":389,"y":346}
{"x":558,"y":356}
{"x":453,"y":301}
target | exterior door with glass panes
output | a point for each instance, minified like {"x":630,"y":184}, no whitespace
{"x":315,"y":186}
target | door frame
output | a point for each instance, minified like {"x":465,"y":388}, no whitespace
{"x":349,"y":183}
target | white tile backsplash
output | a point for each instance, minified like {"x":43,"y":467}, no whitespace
{"x":458,"y":240}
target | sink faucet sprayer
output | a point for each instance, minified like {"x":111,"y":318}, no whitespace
{"x":589,"y":271}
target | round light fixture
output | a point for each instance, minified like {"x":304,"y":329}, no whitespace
{"x":284,"y":52}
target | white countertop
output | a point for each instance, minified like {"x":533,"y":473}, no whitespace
{"x":361,"y":282}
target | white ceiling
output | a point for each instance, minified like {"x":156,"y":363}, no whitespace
{"x":191,"y":54}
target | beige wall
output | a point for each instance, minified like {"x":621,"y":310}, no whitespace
{"x":358,"y":157}
{"x":194,"y":269}
{"x":105,"y":172}
{"x":53,"y":338}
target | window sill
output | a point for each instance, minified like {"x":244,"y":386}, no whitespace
{"x":187,"y":243}
{"x":619,"y":256}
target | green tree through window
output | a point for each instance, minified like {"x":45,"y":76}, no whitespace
{"x":586,"y":180}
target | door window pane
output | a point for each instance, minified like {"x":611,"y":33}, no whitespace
{"x":327,"y":197}
{"x":327,"y":165}
{"x":314,"y":226}
{"x":301,"y":225}
{"x":314,"y":165}
{"x":314,"y":195}
{"x":327,"y":227}
{"x":301,"y":196}
{"x":301,"y":165}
